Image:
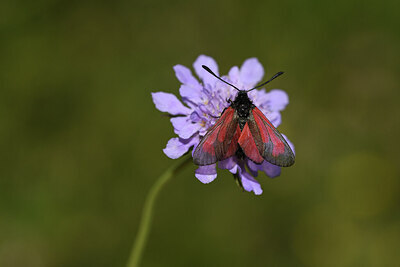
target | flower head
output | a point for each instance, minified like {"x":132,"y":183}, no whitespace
{"x":203,"y":104}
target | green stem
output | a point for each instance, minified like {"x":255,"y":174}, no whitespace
{"x":147,"y":213}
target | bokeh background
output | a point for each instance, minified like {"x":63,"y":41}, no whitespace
{"x":81,"y":141}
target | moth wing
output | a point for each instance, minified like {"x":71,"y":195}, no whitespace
{"x":249,"y":144}
{"x":271,"y":145}
{"x":220,"y":142}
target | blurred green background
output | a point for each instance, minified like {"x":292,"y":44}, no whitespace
{"x":81,"y":141}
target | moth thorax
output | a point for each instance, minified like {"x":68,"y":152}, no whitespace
{"x":242,"y":104}
{"x":243,"y":110}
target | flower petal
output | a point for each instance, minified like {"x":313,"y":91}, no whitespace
{"x":189,"y":129}
{"x":234,"y":169}
{"x":206,"y":174}
{"x":227,"y":164}
{"x":206,"y":77}
{"x":251,"y":72}
{"x":234,"y":75}
{"x":176,"y":147}
{"x":259,"y":98}
{"x":253,"y":167}
{"x":167,"y":102}
{"x":194,"y":117}
{"x":190,"y":93}
{"x":178,"y":123}
{"x":278,"y":99}
{"x":249,"y":183}
{"x":275,"y":118}
{"x":271,"y":170}
{"x":185,"y":76}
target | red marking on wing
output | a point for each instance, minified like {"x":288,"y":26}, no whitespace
{"x":274,"y":149}
{"x":208,"y":145}
{"x":220,"y":142}
{"x":279,"y":146}
{"x":247,"y":143}
{"x":262,"y":116}
{"x":225,"y":126}
{"x":267,"y":129}
{"x":234,"y":143}
{"x":262,"y":129}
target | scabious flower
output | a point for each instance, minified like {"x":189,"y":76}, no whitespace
{"x":205,"y":101}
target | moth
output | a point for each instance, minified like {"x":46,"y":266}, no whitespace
{"x":244,"y":131}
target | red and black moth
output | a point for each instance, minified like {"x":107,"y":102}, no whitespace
{"x":244,"y":131}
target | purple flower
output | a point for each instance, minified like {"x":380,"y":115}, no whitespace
{"x":204,"y":102}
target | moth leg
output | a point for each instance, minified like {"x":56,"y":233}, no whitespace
{"x":216,"y":117}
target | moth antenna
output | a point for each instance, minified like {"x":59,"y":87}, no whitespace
{"x":273,"y":77}
{"x":212,"y":73}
